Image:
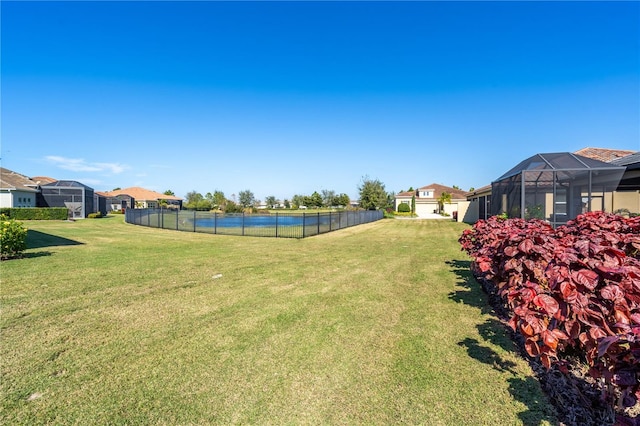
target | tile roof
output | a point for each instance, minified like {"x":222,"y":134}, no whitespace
{"x":439,"y":189}
{"x":141,"y":194}
{"x":11,"y":180}
{"x":603,"y":154}
{"x":456,"y":194}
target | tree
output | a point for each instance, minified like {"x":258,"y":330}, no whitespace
{"x":445,"y":197}
{"x":391,"y":200}
{"x":455,"y":187}
{"x":271,"y":201}
{"x":246,"y":198}
{"x":116,"y":189}
{"x":231,"y":207}
{"x":372,"y":194}
{"x":314,"y":201}
{"x":169,"y":192}
{"x":287,"y":204}
{"x":192,"y":200}
{"x":328,"y":198}
{"x":218,"y":200}
{"x":413,"y":204}
{"x":297,"y":201}
{"x":343,"y":200}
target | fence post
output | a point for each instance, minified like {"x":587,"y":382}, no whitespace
{"x":304,"y":223}
{"x":194,"y":221}
{"x":177,"y":218}
{"x":276,"y":224}
{"x":330,"y":224}
{"x":318,"y":223}
{"x":215,"y":222}
{"x":243,"y":223}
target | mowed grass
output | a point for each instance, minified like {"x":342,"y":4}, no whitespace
{"x":108,"y":323}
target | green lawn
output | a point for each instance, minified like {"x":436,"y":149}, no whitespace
{"x":108,"y":323}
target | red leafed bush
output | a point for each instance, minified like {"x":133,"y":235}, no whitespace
{"x":575,"y":287}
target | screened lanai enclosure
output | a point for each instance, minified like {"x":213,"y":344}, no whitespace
{"x":555,"y":187}
{"x":76,"y":197}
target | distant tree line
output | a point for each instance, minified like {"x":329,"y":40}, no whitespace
{"x":372,"y":196}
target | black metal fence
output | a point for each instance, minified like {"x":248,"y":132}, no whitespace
{"x":283,"y":225}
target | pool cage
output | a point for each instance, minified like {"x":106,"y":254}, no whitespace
{"x":75,"y":196}
{"x":555,"y":187}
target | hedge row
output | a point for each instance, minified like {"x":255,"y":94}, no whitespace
{"x":571,"y":291}
{"x":36,"y":213}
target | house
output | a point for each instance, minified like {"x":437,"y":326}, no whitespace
{"x":427,"y":201}
{"x":558,"y":186}
{"x":136,"y":197}
{"x":17,"y":190}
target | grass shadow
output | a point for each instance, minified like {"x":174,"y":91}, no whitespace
{"x":487,"y":355}
{"x":526,"y":390}
{"x":470,"y":292}
{"x":538,"y":411}
{"x":37,"y":239}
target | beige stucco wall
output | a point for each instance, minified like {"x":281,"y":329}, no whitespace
{"x":629,"y":200}
{"x":472,"y":212}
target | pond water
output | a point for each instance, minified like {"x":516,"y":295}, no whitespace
{"x":249,"y":221}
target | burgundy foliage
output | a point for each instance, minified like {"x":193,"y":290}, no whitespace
{"x":575,"y":288}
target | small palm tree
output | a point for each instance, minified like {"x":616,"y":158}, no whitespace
{"x":445,"y":197}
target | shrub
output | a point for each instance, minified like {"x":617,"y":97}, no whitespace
{"x":404,"y":208}
{"x":36,"y":213}
{"x":575,"y":290}
{"x":13,"y":238}
{"x":96,"y":215}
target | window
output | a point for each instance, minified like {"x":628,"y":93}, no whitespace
{"x":561,"y":201}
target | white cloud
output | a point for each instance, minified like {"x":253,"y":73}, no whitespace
{"x":80,"y":165}
{"x":114,"y":167}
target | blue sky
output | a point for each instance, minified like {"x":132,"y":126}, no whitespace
{"x":285,"y":98}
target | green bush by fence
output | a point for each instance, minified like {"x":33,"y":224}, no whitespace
{"x":36,"y":213}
